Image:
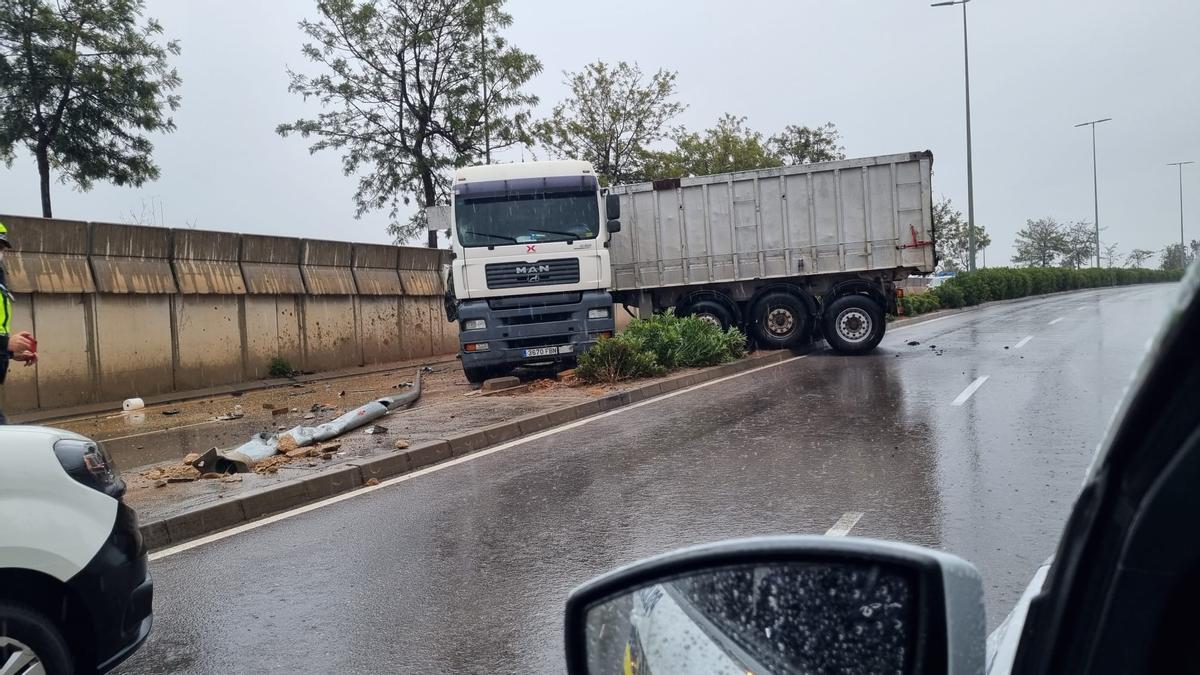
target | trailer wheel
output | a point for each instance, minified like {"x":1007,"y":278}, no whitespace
{"x":779,"y":320}
{"x":853,"y":324}
{"x":709,"y":310}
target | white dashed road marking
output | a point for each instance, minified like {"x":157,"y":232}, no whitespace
{"x":842,"y":527}
{"x":1024,"y":341}
{"x":1055,"y":321}
{"x":971,"y":389}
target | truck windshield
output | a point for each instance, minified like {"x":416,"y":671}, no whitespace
{"x":526,"y":211}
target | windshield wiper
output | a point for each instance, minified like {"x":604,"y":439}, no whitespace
{"x":570,"y":235}
{"x":495,"y":236}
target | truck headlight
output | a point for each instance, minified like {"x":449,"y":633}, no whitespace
{"x":474,"y":324}
{"x":88,"y":463}
{"x":601,"y":313}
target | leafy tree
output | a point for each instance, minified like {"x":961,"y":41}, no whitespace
{"x":611,"y":116}
{"x":1173,"y":257}
{"x":401,"y":83}
{"x":81,"y":83}
{"x":1079,"y":244}
{"x":1193,"y":249}
{"x":952,"y":238}
{"x":1039,"y":243}
{"x":1110,"y":255}
{"x":729,"y":146}
{"x":805,"y":145}
{"x":1138,"y":256}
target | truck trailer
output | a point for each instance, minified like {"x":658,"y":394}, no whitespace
{"x":541,"y":251}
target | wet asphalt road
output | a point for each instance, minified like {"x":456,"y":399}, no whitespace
{"x":465,"y":569}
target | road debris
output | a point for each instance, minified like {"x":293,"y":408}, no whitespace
{"x":913,"y":343}
{"x":401,"y":444}
{"x":190,"y":458}
{"x":171,"y":412}
{"x":232,"y":478}
{"x":371,"y":482}
{"x":375,"y":429}
{"x":263,"y":447}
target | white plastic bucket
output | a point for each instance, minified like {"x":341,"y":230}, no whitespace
{"x":133,"y":404}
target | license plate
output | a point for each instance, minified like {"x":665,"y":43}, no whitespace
{"x":549,"y":351}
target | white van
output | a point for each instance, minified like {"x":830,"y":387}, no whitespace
{"x":75,"y":594}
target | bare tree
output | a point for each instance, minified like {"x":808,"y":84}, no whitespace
{"x":1110,"y":255}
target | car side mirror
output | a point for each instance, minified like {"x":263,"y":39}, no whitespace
{"x":613,"y":226}
{"x":612,"y":207}
{"x":779,"y":605}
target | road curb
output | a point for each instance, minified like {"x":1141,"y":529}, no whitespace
{"x":210,"y":518}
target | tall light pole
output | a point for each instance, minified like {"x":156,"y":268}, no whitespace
{"x":970,"y":175}
{"x":1182,"y":248}
{"x":1095,"y":185}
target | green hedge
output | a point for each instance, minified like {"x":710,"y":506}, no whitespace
{"x":649,"y":347}
{"x":1004,"y":283}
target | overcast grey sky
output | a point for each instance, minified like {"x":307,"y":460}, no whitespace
{"x":887,"y":72}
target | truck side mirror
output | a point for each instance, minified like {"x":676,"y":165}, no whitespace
{"x":612,"y":207}
{"x":613,"y":226}
{"x":437,"y":217}
{"x":782,"y":604}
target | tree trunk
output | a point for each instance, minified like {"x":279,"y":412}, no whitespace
{"x":430,"y":197}
{"x":43,"y":161}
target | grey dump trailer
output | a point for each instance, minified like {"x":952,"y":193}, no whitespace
{"x":789,"y":254}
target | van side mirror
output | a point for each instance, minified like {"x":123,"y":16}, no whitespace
{"x":782,"y":604}
{"x":612,"y":207}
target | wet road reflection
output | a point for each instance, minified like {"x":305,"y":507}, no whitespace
{"x":466,"y":569}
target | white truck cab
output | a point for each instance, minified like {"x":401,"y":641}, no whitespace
{"x":531,"y":273}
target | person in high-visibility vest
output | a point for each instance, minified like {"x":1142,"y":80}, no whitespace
{"x":19,"y":347}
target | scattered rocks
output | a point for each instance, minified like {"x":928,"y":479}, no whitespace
{"x":296,"y":453}
{"x":160,"y":483}
{"x":181,"y":479}
{"x":286,"y":444}
{"x":190,"y":458}
{"x":375,"y":429}
{"x":372,"y":481}
{"x":309,"y":416}
{"x":401,"y":444}
{"x":211,"y":475}
{"x":913,"y":343}
{"x":232,"y":478}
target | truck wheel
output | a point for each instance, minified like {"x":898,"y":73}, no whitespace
{"x":779,"y":320}
{"x":709,"y":310}
{"x":479,"y":375}
{"x":29,"y":642}
{"x":853,"y":324}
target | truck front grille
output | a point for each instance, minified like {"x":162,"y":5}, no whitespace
{"x":542,"y":273}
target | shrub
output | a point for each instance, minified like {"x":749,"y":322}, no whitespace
{"x":280,"y":367}
{"x":1003,"y":283}
{"x":652,"y":345}
{"x":613,"y":359}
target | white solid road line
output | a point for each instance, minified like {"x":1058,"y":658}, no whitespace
{"x":1055,"y":321}
{"x":1024,"y":341}
{"x":842,"y":527}
{"x":971,"y":389}
{"x":445,"y":465}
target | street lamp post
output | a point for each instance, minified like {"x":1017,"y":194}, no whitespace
{"x":1182,"y":247}
{"x":970,"y":176}
{"x":1095,"y":185}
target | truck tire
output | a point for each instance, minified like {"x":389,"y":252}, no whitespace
{"x":709,"y":310}
{"x":479,"y":375}
{"x":26,"y":636}
{"x":853,"y":324}
{"x":779,"y":320}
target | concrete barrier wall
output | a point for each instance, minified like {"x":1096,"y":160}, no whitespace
{"x":123,"y":310}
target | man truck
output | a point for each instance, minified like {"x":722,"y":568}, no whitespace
{"x":541,"y":251}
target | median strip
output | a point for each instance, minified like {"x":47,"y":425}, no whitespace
{"x":202,"y":522}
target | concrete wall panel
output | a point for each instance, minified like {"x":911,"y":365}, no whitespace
{"x":272,"y":330}
{"x":131,"y":259}
{"x":272,"y":279}
{"x":379,"y":329}
{"x":329,"y":335}
{"x":133,"y":338}
{"x":415,"y":327}
{"x":48,"y":273}
{"x":19,"y":391}
{"x":209,"y":337}
{"x":323,"y":280}
{"x":65,"y":350}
